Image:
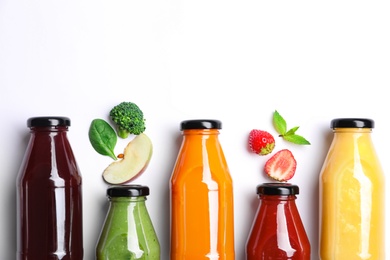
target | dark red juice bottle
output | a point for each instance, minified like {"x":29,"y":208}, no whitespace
{"x":49,"y":195}
{"x":277,"y":231}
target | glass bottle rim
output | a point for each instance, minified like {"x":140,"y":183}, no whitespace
{"x":48,"y":121}
{"x":284,"y":189}
{"x":133,"y":190}
{"x":352,"y":123}
{"x":200,"y":124}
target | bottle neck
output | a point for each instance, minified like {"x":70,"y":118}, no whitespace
{"x":44,"y":137}
{"x":201,"y":132}
{"x":352,"y":130}
{"x":275,"y":199}
{"x":352,"y":135}
{"x":275,"y":208}
{"x":127,"y":199}
{"x":197,"y":141}
{"x":49,"y":129}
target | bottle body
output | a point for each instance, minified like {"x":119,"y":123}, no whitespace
{"x":352,"y":192}
{"x":49,"y":195}
{"x":202,"y":222}
{"x":277,"y":231}
{"x":128,"y":232}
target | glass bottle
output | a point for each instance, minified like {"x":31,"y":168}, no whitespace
{"x":49,"y":194}
{"x":128,"y":232}
{"x":352,"y":194}
{"x":201,"y":190}
{"x":277,"y":231}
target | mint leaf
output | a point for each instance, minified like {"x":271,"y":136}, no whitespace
{"x":281,"y":127}
{"x":102,"y":137}
{"x":279,"y":123}
{"x":296,"y":139}
{"x":291,"y":131}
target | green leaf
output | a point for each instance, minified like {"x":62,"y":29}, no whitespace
{"x":279,"y":123}
{"x":296,"y":139}
{"x":102,"y":137}
{"x":291,"y":131}
{"x":281,"y":127}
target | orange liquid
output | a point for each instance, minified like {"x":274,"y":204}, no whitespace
{"x":201,"y":200}
{"x":352,"y":199}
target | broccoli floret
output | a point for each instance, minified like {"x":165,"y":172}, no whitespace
{"x":129,"y":119}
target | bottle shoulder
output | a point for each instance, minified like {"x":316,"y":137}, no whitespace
{"x":50,"y":157}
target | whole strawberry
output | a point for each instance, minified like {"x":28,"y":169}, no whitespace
{"x":261,"y":142}
{"x":281,"y":166}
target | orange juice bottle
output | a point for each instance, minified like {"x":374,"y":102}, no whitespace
{"x":201,"y":190}
{"x":352,"y":195}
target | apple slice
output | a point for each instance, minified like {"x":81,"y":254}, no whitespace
{"x":136,"y":157}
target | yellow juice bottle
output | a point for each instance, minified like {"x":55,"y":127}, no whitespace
{"x":352,"y":195}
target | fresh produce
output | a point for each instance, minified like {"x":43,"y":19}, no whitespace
{"x":128,"y":118}
{"x":102,"y":137}
{"x":261,"y":142}
{"x":136,"y":157}
{"x":288,"y":135}
{"x":281,"y":166}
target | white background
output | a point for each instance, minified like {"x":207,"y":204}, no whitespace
{"x":236,"y":61}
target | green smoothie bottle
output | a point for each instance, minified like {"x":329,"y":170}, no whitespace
{"x":128,"y":232}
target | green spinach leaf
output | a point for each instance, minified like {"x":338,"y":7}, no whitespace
{"x":103,"y":137}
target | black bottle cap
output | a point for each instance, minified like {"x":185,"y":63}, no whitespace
{"x":200,"y":124}
{"x":352,"y":123}
{"x":133,"y":190}
{"x":277,"y":189}
{"x":48,"y":121}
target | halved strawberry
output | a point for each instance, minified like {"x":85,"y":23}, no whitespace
{"x":281,"y":166}
{"x":261,"y":142}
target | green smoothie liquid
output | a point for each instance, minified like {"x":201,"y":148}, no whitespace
{"x":128,"y":233}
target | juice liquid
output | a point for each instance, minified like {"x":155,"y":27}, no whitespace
{"x":201,"y":200}
{"x":352,"y":198}
{"x":277,"y":231}
{"x":49,"y":192}
{"x":128,"y":232}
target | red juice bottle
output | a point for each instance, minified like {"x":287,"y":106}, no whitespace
{"x":49,"y":195}
{"x":277,"y":231}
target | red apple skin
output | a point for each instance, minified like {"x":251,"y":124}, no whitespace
{"x":138,"y":151}
{"x":135,"y":176}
